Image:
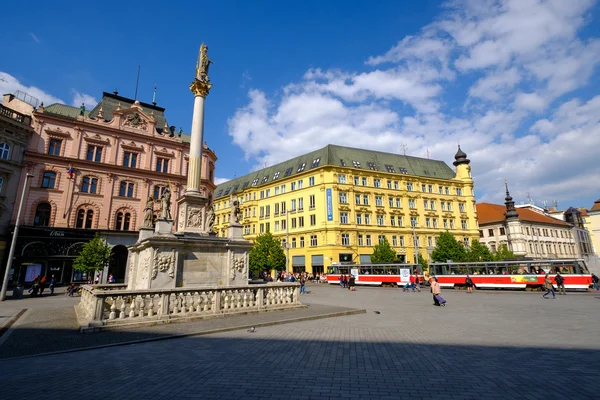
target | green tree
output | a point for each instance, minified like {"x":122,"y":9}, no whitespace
{"x":266,"y":254}
{"x":479,"y":252}
{"x":383,"y":253}
{"x":448,"y":248}
{"x":422,"y":262}
{"x":503,"y":253}
{"x":94,"y":256}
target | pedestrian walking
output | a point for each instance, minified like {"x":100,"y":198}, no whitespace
{"x":302,"y":285}
{"x":549,"y":287}
{"x":417,"y":282}
{"x":412,"y":282}
{"x":560,"y":283}
{"x":52,"y":283}
{"x":351,"y":283}
{"x":436,"y":290}
{"x":469,"y":283}
{"x":595,"y":282}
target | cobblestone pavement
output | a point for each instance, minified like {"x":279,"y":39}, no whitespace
{"x":488,"y":345}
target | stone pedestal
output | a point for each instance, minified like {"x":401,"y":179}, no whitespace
{"x":145,"y":233}
{"x":163,"y":227}
{"x":192,"y":214}
{"x":235,"y":231}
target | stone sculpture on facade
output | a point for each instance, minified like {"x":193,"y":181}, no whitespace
{"x":162,"y":263}
{"x":236,"y":213}
{"x":165,"y":204}
{"x":148,"y":213}
{"x":238,"y":265}
{"x":210,"y":218}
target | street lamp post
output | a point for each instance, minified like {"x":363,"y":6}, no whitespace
{"x":287,"y":241}
{"x":415,"y":244}
{"x":11,"y":253}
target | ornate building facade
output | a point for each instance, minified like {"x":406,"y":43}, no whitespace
{"x":94,"y":172}
{"x":15,"y":131}
{"x":333,"y":205}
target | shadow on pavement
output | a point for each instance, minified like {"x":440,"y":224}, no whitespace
{"x":250,"y":367}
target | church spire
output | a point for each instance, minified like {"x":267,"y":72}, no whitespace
{"x":511,"y":211}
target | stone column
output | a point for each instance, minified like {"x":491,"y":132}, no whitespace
{"x":195,"y":158}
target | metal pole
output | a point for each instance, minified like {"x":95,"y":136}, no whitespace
{"x":11,"y":253}
{"x":287,"y":241}
{"x":415,"y":244}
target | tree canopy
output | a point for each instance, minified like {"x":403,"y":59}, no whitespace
{"x":383,"y":253}
{"x":448,"y":248}
{"x":94,"y":255}
{"x":479,"y":252}
{"x":266,"y":254}
{"x":422,"y":262}
{"x":503,"y":253}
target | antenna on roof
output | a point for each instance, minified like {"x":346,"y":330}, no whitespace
{"x":137,"y":82}
{"x":427,"y":153}
{"x":529,"y":198}
{"x":154,"y":96}
{"x":404,"y":148}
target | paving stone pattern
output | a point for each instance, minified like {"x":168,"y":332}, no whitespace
{"x":488,"y":345}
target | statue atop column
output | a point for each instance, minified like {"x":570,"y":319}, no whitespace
{"x":165,"y":204}
{"x":202,"y":64}
{"x":236,"y":213}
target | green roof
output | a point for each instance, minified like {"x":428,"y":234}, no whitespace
{"x":340,"y":156}
{"x":109,"y":103}
{"x":64,"y":110}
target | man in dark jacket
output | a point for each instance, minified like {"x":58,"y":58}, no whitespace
{"x":560,"y":283}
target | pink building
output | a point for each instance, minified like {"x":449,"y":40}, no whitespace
{"x":93,"y":172}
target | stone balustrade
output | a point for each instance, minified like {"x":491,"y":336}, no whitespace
{"x":105,"y":305}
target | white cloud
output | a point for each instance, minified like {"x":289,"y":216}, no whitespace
{"x":34,"y":37}
{"x":476,"y":75}
{"x":10,"y":84}
{"x":218,"y":180}
{"x":82,"y":98}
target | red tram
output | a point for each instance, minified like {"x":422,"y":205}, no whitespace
{"x":526,"y":274}
{"x":375,"y":274}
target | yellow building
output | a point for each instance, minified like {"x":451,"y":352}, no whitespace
{"x":334,"y":204}
{"x":592,"y":224}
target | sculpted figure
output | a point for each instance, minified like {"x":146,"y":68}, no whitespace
{"x":148,"y":213}
{"x":165,"y":204}
{"x":202,"y":64}
{"x":210,"y":218}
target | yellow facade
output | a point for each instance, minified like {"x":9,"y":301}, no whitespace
{"x":335,"y":213}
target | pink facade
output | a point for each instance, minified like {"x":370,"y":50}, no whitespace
{"x":97,"y":170}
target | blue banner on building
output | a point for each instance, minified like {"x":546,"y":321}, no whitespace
{"x":329,"y":205}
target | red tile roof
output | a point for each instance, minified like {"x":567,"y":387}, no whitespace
{"x":596,"y":206}
{"x":492,"y":213}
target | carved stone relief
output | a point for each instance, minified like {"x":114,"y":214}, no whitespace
{"x":194,"y":217}
{"x":238,"y":265}
{"x":164,"y":262}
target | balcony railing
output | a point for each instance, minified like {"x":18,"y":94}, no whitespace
{"x":11,"y":114}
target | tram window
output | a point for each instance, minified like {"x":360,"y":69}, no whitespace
{"x":365,"y":270}
{"x":477,"y":270}
{"x":392,"y":271}
{"x":582,"y":268}
{"x":332,"y":270}
{"x":378,"y":270}
{"x":565,"y":269}
{"x":344,"y":270}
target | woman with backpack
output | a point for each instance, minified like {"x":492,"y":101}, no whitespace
{"x":469,"y":283}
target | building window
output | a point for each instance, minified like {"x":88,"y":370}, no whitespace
{"x":89,"y":184}
{"x":341,"y":178}
{"x":380,"y":220}
{"x":54,"y":147}
{"x":428,"y":222}
{"x":293,"y":205}
{"x":293,"y":243}
{"x":356,"y":164}
{"x":94,"y":153}
{"x":423,"y":188}
{"x":381,"y":238}
{"x":502,"y":231}
{"x":301,"y":241}
{"x":459,"y":193}
{"x":1,"y":184}
{"x":451,"y":224}
{"x":369,"y":243}
{"x":414,"y":222}
{"x":311,"y":201}
{"x":343,"y":198}
{"x":466,"y":242}
{"x":130,"y":159}
{"x":123,"y":221}
{"x":461,"y":207}
{"x":411,"y":203}
{"x":366,"y":199}
{"x":368,"y":219}
{"x":313,"y":220}
{"x":84,"y":218}
{"x":364,"y":181}
{"x":377,"y":183}
{"x":345,"y":239}
{"x":49,"y":180}
{"x":126,"y":189}
{"x":447,"y":190}
{"x":409,"y":187}
{"x":429,"y":241}
{"x":391,"y":201}
{"x":300,"y":184}
{"x":398,"y":202}
{"x":430,"y":188}
{"x":480,"y":233}
{"x":311,"y":181}
{"x":358,"y":219}
{"x":449,"y":206}
{"x":401,"y":241}
{"x":158,"y":191}
{"x":313,"y":240}
{"x":425,"y":204}
{"x":162,"y":165}
{"x":300,"y":222}
{"x":4,"y":150}
{"x":393,"y":220}
{"x":357,"y":198}
{"x":432,"y":204}
{"x":301,"y":167}
{"x":389,"y":184}
{"x":379,"y":201}
{"x":343,"y":218}
{"x":42,"y":215}
{"x":435,"y":224}
{"x":395,"y":241}
{"x":463,"y":223}
{"x":361,"y":240}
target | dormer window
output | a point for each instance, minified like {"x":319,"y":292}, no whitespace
{"x":301,"y":167}
{"x":356,"y":164}
{"x":315,"y":163}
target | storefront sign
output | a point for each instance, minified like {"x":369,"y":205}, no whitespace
{"x":329,"y":204}
{"x":57,"y":233}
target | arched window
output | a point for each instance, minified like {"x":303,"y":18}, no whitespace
{"x":126,"y":189}
{"x":123,"y":221}
{"x":85,"y":218}
{"x":42,"y":215}
{"x":4,"y":149}
{"x":89,"y":184}
{"x":49,"y":180}
{"x":158,"y":191}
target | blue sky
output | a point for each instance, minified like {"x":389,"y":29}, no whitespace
{"x":515,"y":82}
